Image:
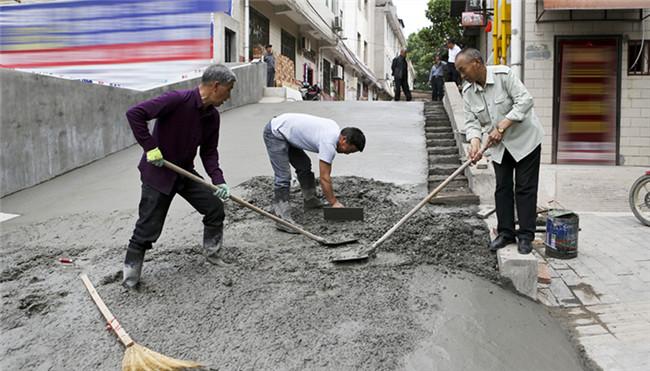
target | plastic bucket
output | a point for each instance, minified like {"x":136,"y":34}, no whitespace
{"x":562,"y":234}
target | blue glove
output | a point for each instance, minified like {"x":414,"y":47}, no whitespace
{"x":155,"y":157}
{"x":223,"y":192}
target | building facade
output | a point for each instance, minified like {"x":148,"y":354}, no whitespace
{"x":331,"y":43}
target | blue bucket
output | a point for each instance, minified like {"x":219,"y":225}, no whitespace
{"x":562,"y":234}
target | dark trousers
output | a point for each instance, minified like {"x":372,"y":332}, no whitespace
{"x":436,"y":88}
{"x":270,"y":79}
{"x":452,"y":73}
{"x":154,"y":206}
{"x":402,"y":84}
{"x":526,"y":177}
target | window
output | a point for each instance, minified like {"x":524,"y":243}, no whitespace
{"x":259,"y":33}
{"x":326,"y":76}
{"x":365,"y":53}
{"x":229,"y":46}
{"x":288,"y":47}
{"x":637,"y":57}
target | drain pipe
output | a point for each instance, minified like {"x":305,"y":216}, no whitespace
{"x":246,"y":29}
{"x":516,"y":37}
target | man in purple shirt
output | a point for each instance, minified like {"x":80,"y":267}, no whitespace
{"x":185,"y":121}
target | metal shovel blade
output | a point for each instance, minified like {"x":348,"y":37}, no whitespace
{"x":351,"y":256}
{"x":339,"y":243}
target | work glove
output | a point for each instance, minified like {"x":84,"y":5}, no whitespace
{"x":155,"y":157}
{"x":223,"y":192}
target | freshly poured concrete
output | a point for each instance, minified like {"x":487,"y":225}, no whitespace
{"x":430,"y":300}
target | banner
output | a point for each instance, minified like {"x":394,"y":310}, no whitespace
{"x":106,"y":32}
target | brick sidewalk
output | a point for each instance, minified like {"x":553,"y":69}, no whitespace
{"x":605,"y":291}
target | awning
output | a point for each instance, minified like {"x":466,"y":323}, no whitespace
{"x":355,"y":62}
{"x":595,"y":4}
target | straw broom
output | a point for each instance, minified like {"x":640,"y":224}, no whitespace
{"x":136,"y":357}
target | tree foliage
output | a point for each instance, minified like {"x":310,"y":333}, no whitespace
{"x":429,"y":42}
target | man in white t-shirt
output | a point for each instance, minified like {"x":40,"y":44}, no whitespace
{"x":287,"y":137}
{"x":452,"y":74}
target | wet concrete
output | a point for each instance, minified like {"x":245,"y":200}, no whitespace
{"x":430,"y":300}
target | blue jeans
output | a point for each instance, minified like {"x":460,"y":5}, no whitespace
{"x":282,"y":154}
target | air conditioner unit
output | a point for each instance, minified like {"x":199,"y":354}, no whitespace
{"x":305,"y":43}
{"x":338,"y":23}
{"x":337,"y":72}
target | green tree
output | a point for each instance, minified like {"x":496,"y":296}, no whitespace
{"x":430,"y":41}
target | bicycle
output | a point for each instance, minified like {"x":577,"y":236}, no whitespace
{"x":640,"y":198}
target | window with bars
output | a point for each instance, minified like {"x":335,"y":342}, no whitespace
{"x":638,"y":62}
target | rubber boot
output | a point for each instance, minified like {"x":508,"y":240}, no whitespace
{"x":212,"y":241}
{"x":283,"y":209}
{"x":132,"y":266}
{"x":309,"y":198}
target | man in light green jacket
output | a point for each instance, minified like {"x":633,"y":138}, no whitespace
{"x":496,"y":99}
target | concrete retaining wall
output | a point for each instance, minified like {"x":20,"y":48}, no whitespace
{"x":50,"y":125}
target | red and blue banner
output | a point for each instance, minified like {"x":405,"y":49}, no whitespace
{"x":88,"y":32}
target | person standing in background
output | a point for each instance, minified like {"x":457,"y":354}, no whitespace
{"x":452,"y":74}
{"x":436,"y":79}
{"x":269,"y":59}
{"x":400,"y":73}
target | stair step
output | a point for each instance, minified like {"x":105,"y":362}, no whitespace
{"x":457,"y":198}
{"x":441,"y":142}
{"x":442,"y":169}
{"x":455,"y":184}
{"x":444,"y":159}
{"x":442,"y":151}
{"x":438,"y":129}
{"x":447,"y":135}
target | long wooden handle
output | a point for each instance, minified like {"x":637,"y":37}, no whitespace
{"x":119,"y":331}
{"x":423,"y":202}
{"x":198,"y":179}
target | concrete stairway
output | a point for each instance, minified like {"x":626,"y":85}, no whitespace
{"x":444,"y":159}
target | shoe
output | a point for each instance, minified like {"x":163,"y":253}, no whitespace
{"x":500,"y":242}
{"x":524,"y":247}
{"x":282,"y":209}
{"x":132,"y":267}
{"x":308,"y":188}
{"x":212,"y":242}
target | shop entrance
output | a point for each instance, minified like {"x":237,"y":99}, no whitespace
{"x":586,"y":105}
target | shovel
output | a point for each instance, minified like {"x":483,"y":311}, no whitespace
{"x":350,"y":256}
{"x":198,"y":179}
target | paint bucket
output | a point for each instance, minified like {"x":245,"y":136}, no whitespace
{"x":562,"y":234}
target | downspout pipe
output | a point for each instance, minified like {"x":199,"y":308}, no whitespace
{"x":517,"y":37}
{"x":246,"y":29}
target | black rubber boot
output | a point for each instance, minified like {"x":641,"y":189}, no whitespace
{"x":309,"y":198}
{"x":132,"y":266}
{"x":283,"y":209}
{"x":212,"y":241}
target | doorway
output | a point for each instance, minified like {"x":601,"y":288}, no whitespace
{"x":586,"y":107}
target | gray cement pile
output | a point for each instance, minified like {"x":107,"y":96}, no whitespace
{"x":430,"y":300}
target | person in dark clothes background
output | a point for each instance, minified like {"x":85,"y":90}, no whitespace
{"x":400,"y":73}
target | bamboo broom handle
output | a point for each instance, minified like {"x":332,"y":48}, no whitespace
{"x":112,"y":321}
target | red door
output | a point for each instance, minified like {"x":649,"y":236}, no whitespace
{"x":587,"y":108}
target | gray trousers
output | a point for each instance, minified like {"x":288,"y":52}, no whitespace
{"x":282,"y":156}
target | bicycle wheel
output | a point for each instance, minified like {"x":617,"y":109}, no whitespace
{"x":640,"y":199}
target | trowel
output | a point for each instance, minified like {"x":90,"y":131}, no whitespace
{"x":351,"y":255}
{"x":198,"y":179}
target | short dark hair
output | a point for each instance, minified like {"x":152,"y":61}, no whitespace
{"x":451,"y":40}
{"x":471,"y":54}
{"x":354,"y":137}
{"x":268,"y":46}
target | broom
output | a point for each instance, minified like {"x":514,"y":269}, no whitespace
{"x":136,"y":357}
